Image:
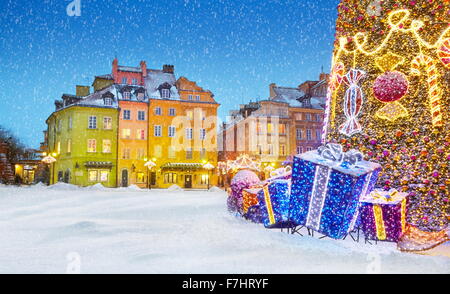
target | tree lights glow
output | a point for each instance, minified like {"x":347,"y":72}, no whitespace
{"x":403,"y":46}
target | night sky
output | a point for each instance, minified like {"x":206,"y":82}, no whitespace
{"x":235,"y":48}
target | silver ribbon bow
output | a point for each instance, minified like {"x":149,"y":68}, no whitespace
{"x":334,"y":152}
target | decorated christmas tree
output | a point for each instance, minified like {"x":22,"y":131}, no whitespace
{"x":389,"y":97}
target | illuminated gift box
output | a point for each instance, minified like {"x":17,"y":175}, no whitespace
{"x":250,"y":197}
{"x":274,"y":203}
{"x":383,"y":215}
{"x":327,"y":185}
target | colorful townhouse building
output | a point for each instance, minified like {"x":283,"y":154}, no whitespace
{"x":82,"y":137}
{"x":273,"y":130}
{"x":153,"y":117}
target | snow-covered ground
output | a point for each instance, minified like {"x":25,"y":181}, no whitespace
{"x":97,"y":230}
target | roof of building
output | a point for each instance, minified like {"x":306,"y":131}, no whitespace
{"x":129,"y":68}
{"x":105,"y":77}
{"x":155,"y":79}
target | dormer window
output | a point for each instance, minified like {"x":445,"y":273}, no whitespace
{"x":165,"y":93}
{"x":108,"y":101}
{"x":127,"y":95}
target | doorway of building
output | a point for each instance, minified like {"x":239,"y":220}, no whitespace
{"x":188,"y":181}
{"x":124,"y":178}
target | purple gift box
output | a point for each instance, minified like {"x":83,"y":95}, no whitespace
{"x":383,"y":215}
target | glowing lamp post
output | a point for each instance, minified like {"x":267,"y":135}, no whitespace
{"x":209,"y":167}
{"x":150,"y":165}
{"x":50,"y":160}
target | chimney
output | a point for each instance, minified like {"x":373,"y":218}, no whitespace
{"x":143,"y":68}
{"x":82,"y":91}
{"x":272,"y":91}
{"x":115,"y":68}
{"x":324,"y":76}
{"x":167,"y":68}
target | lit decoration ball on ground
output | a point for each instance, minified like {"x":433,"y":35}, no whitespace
{"x":244,"y":179}
{"x":411,"y":140}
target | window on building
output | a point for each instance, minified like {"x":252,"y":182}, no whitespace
{"x":92,"y":123}
{"x":318,"y":117}
{"x":126,"y":133}
{"x":308,"y":116}
{"x":126,"y":153}
{"x":190,"y":114}
{"x":259,"y":128}
{"x":127,"y":95}
{"x":282,"y":129}
{"x":190,"y":97}
{"x":269,"y":128}
{"x":93,"y":175}
{"x":124,"y":80}
{"x":107,"y":123}
{"x":189,"y":133}
{"x":134,"y":81}
{"x":299,"y":134}
{"x":204,"y":179}
{"x":158,"y":111}
{"x":140,"y":177}
{"x":157,"y":131}
{"x":69,"y":145}
{"x":172,"y":153}
{"x":171,"y":131}
{"x":141,"y":115}
{"x":141,"y":153}
{"x":165,"y":93}
{"x":308,"y":135}
{"x":270,"y":149}
{"x":299,"y":149}
{"x":188,"y":153}
{"x":157,"y":151}
{"x":259,"y":149}
{"x":282,"y":150}
{"x":104,"y":176}
{"x":202,"y":134}
{"x":170,"y":178}
{"x":172,"y":112}
{"x":92,"y":145}
{"x":309,"y":149}
{"x":58,"y":147}
{"x":140,"y":134}
{"x":108,"y":101}
{"x":197,"y":97}
{"x":106,"y":146}
{"x":318,"y":135}
{"x":126,"y":114}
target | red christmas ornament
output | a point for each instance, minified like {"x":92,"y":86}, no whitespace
{"x":390,"y":86}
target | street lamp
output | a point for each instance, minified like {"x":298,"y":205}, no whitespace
{"x":150,"y":165}
{"x":50,"y":160}
{"x":209,"y":167}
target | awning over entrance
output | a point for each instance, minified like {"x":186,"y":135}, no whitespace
{"x":98,"y":164}
{"x":182,"y":166}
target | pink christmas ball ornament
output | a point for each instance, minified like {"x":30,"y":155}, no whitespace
{"x":390,"y":86}
{"x":242,"y":180}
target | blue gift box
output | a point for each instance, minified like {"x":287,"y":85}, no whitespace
{"x":327,"y":185}
{"x":273,"y":200}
